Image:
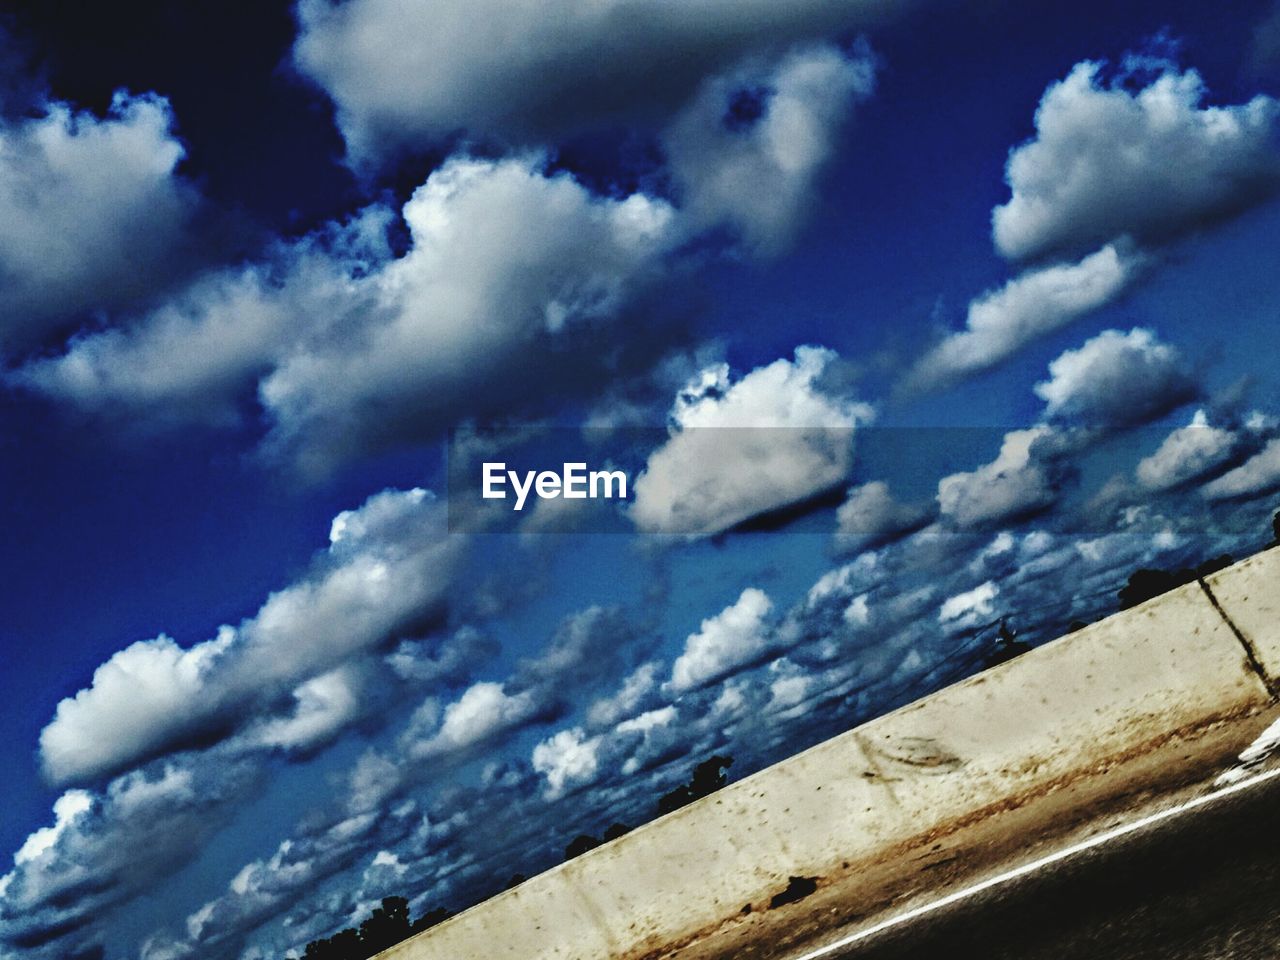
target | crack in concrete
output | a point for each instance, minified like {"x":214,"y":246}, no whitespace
{"x":1250,"y":651}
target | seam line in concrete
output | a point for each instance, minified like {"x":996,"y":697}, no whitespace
{"x":1250,"y":652}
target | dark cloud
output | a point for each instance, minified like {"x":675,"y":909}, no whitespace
{"x":406,"y":75}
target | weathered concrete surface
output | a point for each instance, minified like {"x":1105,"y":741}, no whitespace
{"x":866,"y":893}
{"x":1193,"y":885}
{"x":1249,"y":594}
{"x":1075,"y":722}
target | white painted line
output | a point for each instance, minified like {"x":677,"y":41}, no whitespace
{"x":1032,"y":867}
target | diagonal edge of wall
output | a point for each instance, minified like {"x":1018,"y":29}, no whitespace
{"x":1248,"y":595}
{"x":1172,"y":665}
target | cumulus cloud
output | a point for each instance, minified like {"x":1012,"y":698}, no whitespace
{"x":1151,"y":163}
{"x":148,"y":685}
{"x":586,"y":647}
{"x":628,"y":698}
{"x":567,"y":758}
{"x":353,"y":349}
{"x":1112,"y":382}
{"x":92,"y":214}
{"x":66,"y":810}
{"x":422,"y":662}
{"x":406,"y":73}
{"x":1259,"y":474}
{"x":1117,"y":380}
{"x":197,"y":356}
{"x":1118,"y":168}
{"x":506,"y":267}
{"x":732,"y":638}
{"x":870,"y":515}
{"x":1014,"y":486}
{"x":485,"y":709}
{"x":1001,"y":322}
{"x":323,"y":707}
{"x":1186,"y":454}
{"x":386,"y":569}
{"x":512,"y":278}
{"x":969,"y":608}
{"x":740,"y":449}
{"x":371,"y":811}
{"x":755,"y":173}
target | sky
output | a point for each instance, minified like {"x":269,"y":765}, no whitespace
{"x":904,"y":319}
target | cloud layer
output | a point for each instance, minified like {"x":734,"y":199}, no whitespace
{"x":513,"y":278}
{"x":406,"y":74}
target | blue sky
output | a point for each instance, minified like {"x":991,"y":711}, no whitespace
{"x":905,"y":318}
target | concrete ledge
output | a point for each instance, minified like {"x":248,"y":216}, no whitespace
{"x":1037,"y":726}
{"x":1249,"y":595}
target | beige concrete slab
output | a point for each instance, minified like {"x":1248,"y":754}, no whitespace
{"x":1249,"y":594}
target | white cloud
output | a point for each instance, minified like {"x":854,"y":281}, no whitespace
{"x":738,"y":450}
{"x":323,"y":707}
{"x":969,"y":608}
{"x":788,"y":685}
{"x":1117,"y":379}
{"x":91,"y":213}
{"x":140,"y":699}
{"x":484,"y":710}
{"x":506,"y":268}
{"x":565,"y":759}
{"x":1259,"y":474}
{"x":1117,"y":169}
{"x":513,"y":279}
{"x":858,"y":612}
{"x":1012,"y":486}
{"x":388,"y":565}
{"x":422,"y":662}
{"x":732,"y":638}
{"x":1186,"y":454}
{"x":198,"y":355}
{"x":870,"y":515}
{"x":508,"y":271}
{"x":405,"y":73}
{"x":1152,"y":164}
{"x":649,"y":720}
{"x":757,"y":176}
{"x":844,"y":580}
{"x":66,"y":809}
{"x":587,"y":647}
{"x":1001,"y":322}
{"x":608,"y":711}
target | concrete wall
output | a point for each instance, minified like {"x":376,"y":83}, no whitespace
{"x":1249,"y":594}
{"x":1170,"y":666}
